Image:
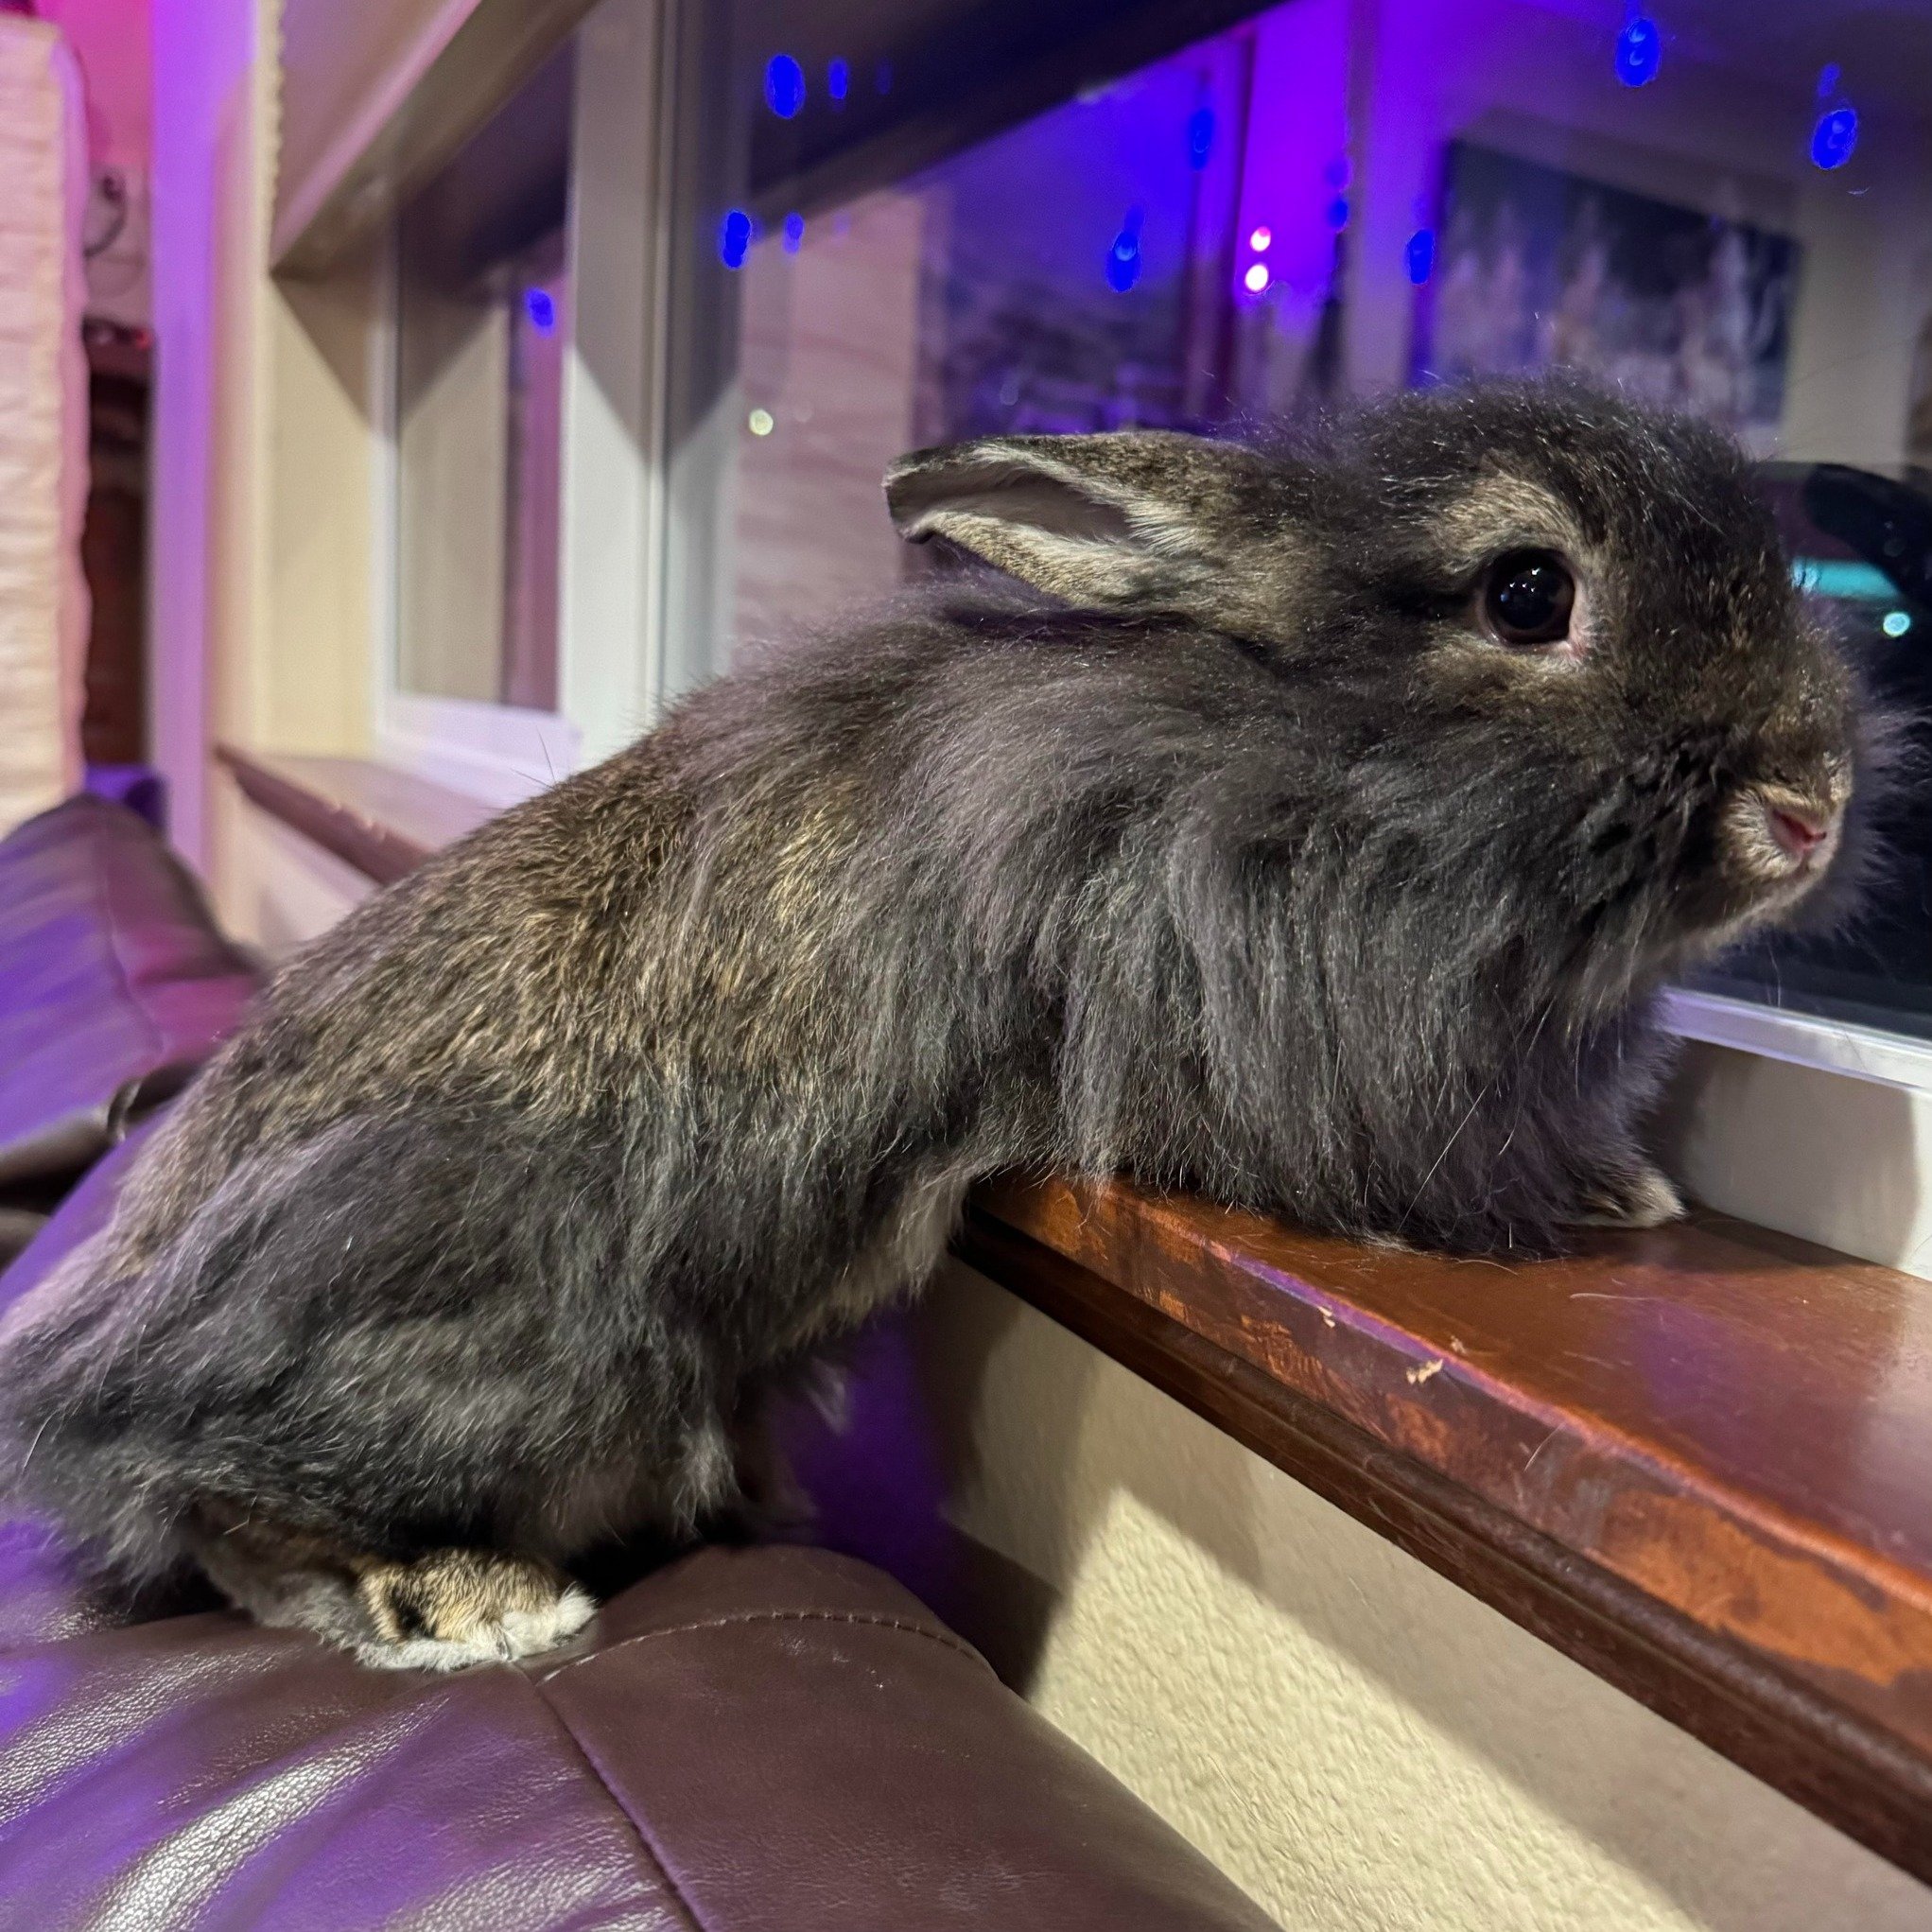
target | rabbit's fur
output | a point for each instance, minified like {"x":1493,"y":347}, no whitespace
{"x":1231,"y":855}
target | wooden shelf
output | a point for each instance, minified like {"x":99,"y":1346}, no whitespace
{"x":381,"y":821}
{"x":1698,"y":1460}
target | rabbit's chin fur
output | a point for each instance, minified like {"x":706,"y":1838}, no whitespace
{"x":1229,"y":851}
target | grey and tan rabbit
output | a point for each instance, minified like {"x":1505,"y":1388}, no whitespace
{"x":1312,"y":830}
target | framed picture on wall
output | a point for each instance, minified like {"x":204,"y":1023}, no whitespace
{"x":1539,"y":269}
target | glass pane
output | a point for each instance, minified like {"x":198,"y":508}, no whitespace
{"x":957,"y":219}
{"x":483,"y":317}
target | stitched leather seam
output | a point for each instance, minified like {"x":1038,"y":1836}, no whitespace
{"x":944,"y":1639}
{"x":686,"y":1912}
{"x":104,"y":904}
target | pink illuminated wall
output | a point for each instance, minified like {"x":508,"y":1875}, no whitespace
{"x":206,"y":256}
{"x":113,"y":40}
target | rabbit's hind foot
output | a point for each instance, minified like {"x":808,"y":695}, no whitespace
{"x":449,"y":1609}
{"x":441,"y":1610}
{"x":1639,"y":1197}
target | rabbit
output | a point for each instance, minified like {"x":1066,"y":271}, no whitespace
{"x":1313,"y":828}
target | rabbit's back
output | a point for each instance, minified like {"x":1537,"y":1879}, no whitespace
{"x":522,"y":1170}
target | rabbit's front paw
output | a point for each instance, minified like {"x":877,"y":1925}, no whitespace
{"x":453,"y":1607}
{"x":1634,"y":1198}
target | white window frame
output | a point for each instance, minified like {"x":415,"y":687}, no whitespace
{"x":612,"y":671}
{"x":1818,"y":1128}
{"x":1801,"y":1039}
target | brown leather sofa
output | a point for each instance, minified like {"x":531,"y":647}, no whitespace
{"x":114,"y":986}
{"x":773,"y":1739}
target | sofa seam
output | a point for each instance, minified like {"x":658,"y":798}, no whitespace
{"x":944,"y":1639}
{"x":104,"y":904}
{"x":646,"y":1844}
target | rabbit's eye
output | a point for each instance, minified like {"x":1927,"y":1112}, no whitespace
{"x":1527,"y":597}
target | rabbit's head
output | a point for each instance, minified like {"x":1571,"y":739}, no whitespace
{"x":1555,"y":632}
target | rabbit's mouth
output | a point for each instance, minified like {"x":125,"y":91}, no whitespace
{"x":1779,"y":842}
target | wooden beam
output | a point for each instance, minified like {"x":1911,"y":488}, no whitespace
{"x":376,"y":101}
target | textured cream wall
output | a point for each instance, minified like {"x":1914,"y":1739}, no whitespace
{"x":1358,"y":1742}
{"x":327,"y":565}
{"x":43,"y":603}
{"x":277,"y":889}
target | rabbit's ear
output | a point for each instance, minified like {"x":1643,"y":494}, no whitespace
{"x":1137,"y":517}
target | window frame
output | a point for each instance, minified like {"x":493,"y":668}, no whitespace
{"x":615,"y":531}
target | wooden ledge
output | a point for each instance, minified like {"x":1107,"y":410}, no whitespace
{"x":381,"y":821}
{"x":1698,"y":1460}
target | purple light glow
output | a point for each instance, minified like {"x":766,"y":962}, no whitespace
{"x":735,"y":238}
{"x":1834,"y":138}
{"x":1200,"y":137}
{"x":784,"y":86}
{"x":1640,"y":48}
{"x":1295,"y":163}
{"x":1124,"y":258}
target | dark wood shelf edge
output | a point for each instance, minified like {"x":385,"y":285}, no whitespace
{"x":378,"y":851}
{"x":1843,"y":1771}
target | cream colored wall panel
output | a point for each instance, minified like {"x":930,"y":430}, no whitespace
{"x":452,"y":459}
{"x":326,"y":557}
{"x":1358,"y":1742}
{"x":277,"y":889}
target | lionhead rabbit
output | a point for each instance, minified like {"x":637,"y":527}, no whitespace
{"x":1311,"y":829}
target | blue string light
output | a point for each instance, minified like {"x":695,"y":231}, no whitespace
{"x":1419,"y":255}
{"x":1124,"y":258}
{"x":838,"y":80}
{"x":541,"y":309}
{"x":1200,"y":136}
{"x":1640,"y":49}
{"x":1337,"y":213}
{"x":1834,"y":137}
{"x":794,"y":233}
{"x":784,"y":86}
{"x":735,"y":238}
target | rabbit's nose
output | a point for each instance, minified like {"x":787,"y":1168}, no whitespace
{"x":1800,"y":827}
{"x":1799,"y":832}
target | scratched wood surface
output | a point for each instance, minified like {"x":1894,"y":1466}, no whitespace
{"x":382,"y":821}
{"x":1699,"y":1459}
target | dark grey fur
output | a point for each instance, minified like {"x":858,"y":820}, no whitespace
{"x":1231,"y":855}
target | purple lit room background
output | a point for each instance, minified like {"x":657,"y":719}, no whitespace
{"x":1291,"y":212}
